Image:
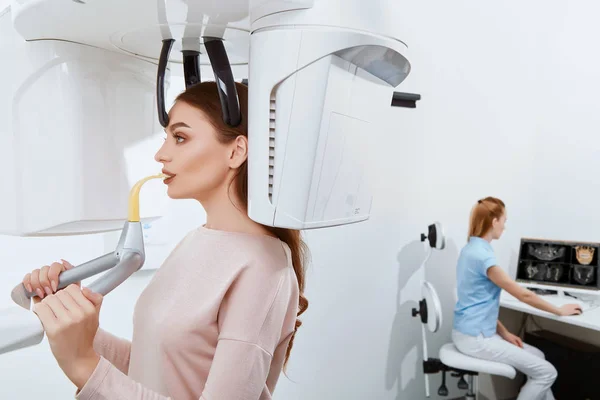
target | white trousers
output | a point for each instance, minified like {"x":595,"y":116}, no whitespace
{"x":529,"y":360}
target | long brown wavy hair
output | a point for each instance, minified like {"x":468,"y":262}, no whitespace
{"x":205,"y":97}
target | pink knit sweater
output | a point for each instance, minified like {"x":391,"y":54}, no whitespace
{"x":213,"y":324}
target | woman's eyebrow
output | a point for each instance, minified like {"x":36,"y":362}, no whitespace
{"x":177,"y":125}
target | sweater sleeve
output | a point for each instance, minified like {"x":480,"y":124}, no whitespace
{"x":108,"y":383}
{"x":114,"y":349}
{"x":251,"y":320}
{"x":251,"y":316}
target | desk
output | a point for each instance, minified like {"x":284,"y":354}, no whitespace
{"x":589,"y":319}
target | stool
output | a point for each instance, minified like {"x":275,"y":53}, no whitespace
{"x":471,"y":366}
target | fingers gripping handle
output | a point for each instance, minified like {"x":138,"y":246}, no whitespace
{"x":121,"y":270}
{"x":20,"y":328}
{"x":73,"y":275}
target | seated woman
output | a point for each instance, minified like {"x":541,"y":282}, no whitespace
{"x":477,"y":332}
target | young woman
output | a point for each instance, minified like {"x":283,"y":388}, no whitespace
{"x":477,"y":331}
{"x":218,"y":319}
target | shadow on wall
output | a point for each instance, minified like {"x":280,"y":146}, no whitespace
{"x":405,"y":354}
{"x":405,"y":350}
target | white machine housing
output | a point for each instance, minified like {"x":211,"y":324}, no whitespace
{"x":81,"y":94}
{"x":71,"y":113}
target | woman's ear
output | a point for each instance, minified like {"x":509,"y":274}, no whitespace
{"x":239,"y":152}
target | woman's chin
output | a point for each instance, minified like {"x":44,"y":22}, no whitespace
{"x":177,"y":195}
{"x":173,"y":194}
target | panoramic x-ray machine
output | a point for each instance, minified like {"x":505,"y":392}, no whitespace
{"x":83,"y":82}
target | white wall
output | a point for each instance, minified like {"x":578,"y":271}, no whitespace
{"x":502,"y":86}
{"x":565,"y":185}
{"x":567,"y":158}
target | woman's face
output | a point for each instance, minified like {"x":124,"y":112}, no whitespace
{"x":498,"y":226}
{"x":197,"y":163}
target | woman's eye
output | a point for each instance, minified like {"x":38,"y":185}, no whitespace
{"x":178,"y":138}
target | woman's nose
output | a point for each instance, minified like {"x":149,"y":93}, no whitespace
{"x":161,"y":154}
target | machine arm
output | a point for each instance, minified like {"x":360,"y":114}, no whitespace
{"x":20,"y":327}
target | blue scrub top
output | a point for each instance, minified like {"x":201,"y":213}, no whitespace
{"x":478,"y":305}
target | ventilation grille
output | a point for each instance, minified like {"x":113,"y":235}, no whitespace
{"x":271,"y":146}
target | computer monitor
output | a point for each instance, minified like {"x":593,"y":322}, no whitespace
{"x":563,"y":266}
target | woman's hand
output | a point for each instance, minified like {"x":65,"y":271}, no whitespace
{"x":569,"y":309}
{"x":44,"y":281}
{"x":514,"y":339}
{"x":71,"y":319}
